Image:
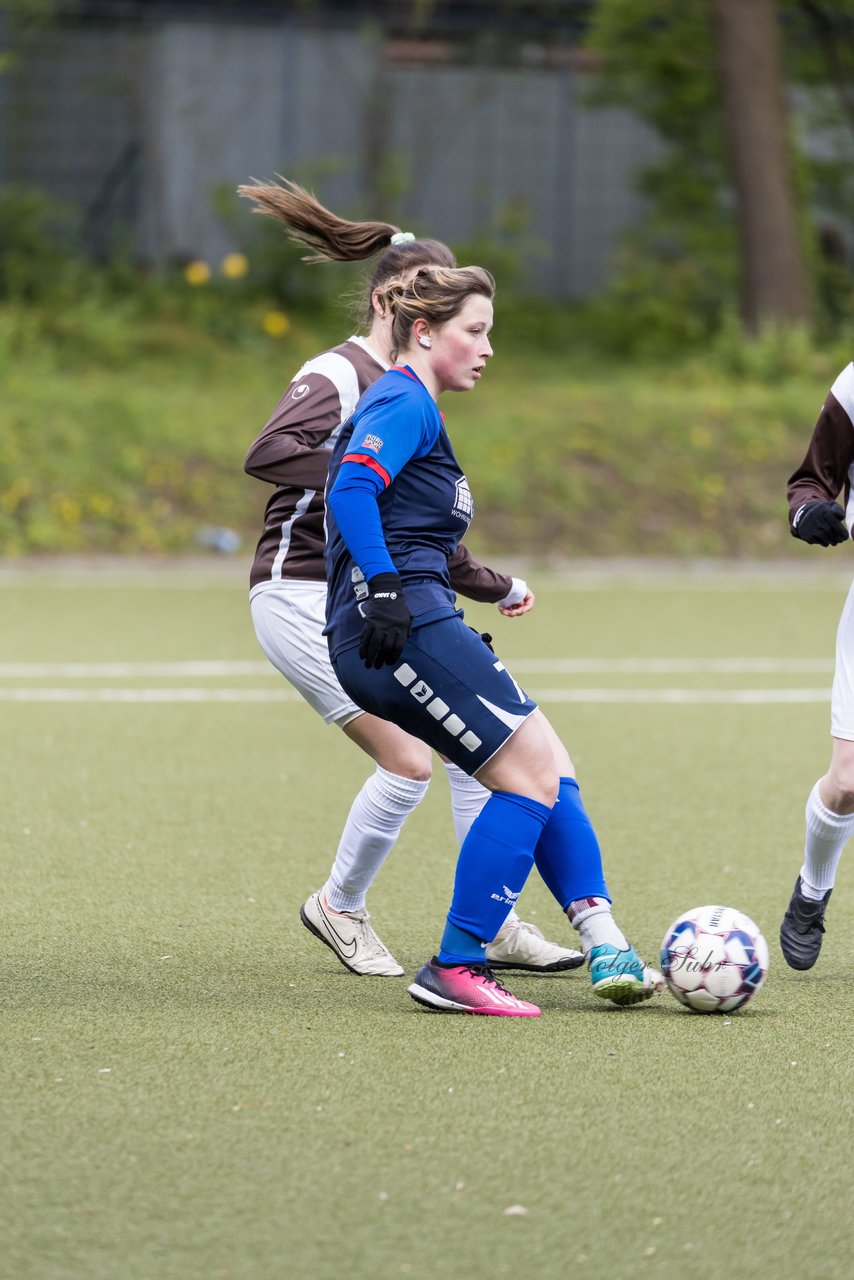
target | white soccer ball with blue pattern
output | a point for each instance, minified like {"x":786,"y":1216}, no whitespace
{"x":714,"y":959}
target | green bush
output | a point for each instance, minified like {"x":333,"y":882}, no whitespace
{"x":642,"y":422}
{"x":36,"y":263}
{"x":126,"y":418}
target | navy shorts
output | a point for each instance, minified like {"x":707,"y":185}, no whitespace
{"x":447,"y":688}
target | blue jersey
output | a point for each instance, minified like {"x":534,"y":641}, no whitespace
{"x":397,"y":494}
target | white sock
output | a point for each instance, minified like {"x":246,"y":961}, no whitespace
{"x":372,"y":827}
{"x":827,"y":835}
{"x":595,"y":924}
{"x":467,"y":799}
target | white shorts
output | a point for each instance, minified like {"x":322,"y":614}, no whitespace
{"x":289,"y":617}
{"x":842,"y":698}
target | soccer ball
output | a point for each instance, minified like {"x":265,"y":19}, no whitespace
{"x":714,"y":959}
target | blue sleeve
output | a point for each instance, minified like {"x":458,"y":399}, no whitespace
{"x":353,"y":502}
{"x":385,"y":437}
{"x":391,"y":429}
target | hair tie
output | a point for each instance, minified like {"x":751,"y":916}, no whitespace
{"x":402,"y":237}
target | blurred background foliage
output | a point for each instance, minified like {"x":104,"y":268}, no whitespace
{"x":645,"y":420}
{"x":679,"y":276}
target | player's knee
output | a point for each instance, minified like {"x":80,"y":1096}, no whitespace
{"x":543,"y":787}
{"x":413,"y":764}
{"x":841,"y":787}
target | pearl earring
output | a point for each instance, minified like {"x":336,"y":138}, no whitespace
{"x":425,"y":342}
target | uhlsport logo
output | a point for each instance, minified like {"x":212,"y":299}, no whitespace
{"x":301,"y":391}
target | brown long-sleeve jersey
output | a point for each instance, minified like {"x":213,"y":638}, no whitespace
{"x":293,"y":452}
{"x":828,"y":466}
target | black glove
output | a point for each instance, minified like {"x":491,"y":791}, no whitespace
{"x":387,"y":621}
{"x":822,"y":523}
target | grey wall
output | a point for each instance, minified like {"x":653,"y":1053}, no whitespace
{"x":142,"y":123}
{"x":478,"y":141}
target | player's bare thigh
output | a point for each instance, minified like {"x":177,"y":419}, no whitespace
{"x":530,"y":762}
{"x":288,"y":618}
{"x":392,"y":748}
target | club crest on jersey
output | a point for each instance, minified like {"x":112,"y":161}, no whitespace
{"x":463,"y":507}
{"x":373,"y":443}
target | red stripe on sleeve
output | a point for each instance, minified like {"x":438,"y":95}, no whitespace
{"x":368,"y":461}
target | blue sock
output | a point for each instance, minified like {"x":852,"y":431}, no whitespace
{"x":492,"y":868}
{"x":568,"y":855}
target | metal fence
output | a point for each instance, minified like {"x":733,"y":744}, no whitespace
{"x":137,"y":116}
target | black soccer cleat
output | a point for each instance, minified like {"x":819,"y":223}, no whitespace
{"x":802,"y":930}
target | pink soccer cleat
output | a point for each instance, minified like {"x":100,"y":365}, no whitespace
{"x":467,"y":988}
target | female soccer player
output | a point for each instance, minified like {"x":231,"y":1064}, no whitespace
{"x":288,"y":593}
{"x":815,"y":516}
{"x":397,"y":506}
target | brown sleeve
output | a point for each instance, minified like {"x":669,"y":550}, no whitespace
{"x":823,"y":474}
{"x":474,"y":580}
{"x":292,"y":449}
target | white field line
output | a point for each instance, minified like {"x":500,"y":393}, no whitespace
{"x":148,"y":695}
{"x":118,"y":670}
{"x":538,"y":666}
{"x":671,"y":666}
{"x":534,"y":666}
{"x":744,"y":697}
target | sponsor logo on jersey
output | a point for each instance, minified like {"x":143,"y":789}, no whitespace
{"x":463,"y":507}
{"x":299,"y":392}
{"x":372,"y":442}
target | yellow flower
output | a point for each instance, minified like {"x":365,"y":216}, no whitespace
{"x":15,"y":494}
{"x":197,"y":272}
{"x":276,"y":324}
{"x":67,"y":509}
{"x":234,"y":266}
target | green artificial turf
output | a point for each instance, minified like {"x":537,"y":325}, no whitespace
{"x":193,"y":1087}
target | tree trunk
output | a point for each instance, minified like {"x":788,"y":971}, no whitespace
{"x":773,"y":277}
